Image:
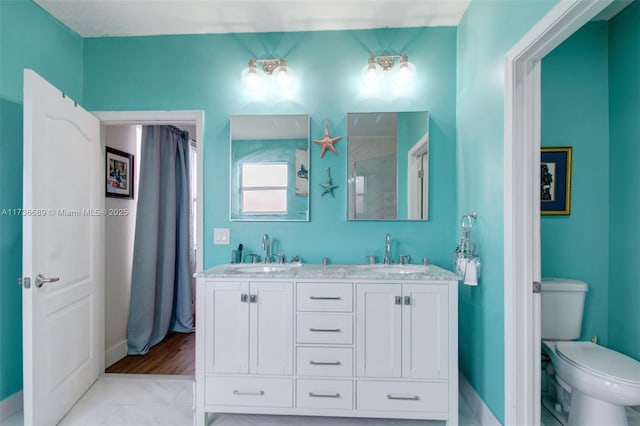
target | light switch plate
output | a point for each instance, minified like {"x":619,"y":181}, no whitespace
{"x":221,"y":236}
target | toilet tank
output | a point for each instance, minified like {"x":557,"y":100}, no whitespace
{"x":562,"y":305}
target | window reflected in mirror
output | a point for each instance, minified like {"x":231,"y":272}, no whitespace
{"x":269,"y":168}
{"x":263,"y":188}
{"x":388,"y":165}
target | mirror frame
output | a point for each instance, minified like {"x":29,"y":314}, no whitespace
{"x":250,"y":133}
{"x":419,"y":151}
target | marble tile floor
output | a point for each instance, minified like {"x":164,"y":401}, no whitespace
{"x":633,"y":417}
{"x":137,"y":400}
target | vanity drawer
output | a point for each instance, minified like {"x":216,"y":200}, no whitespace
{"x":324,"y":394}
{"x":402,"y":396}
{"x":249,"y":391}
{"x":330,"y":328}
{"x":322,"y":297}
{"x":325,"y":362}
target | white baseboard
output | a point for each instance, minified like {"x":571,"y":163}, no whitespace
{"x":11,"y":405}
{"x":115,"y":353}
{"x":479,"y":409}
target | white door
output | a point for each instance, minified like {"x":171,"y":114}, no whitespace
{"x":63,"y":227}
{"x":226,"y":327}
{"x":379,"y":330}
{"x":271,"y":328}
{"x":425,"y":328}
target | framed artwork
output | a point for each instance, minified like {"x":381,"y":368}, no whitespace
{"x":555,"y":181}
{"x":119,"y":174}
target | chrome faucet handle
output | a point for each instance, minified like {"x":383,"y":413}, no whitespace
{"x":254,"y":257}
{"x":373,"y":259}
{"x":280,"y":257}
{"x":266,"y":246}
{"x":387,"y":249}
{"x":295,"y":259}
{"x":405,"y":259}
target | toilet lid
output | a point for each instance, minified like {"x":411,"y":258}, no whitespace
{"x":600,"y":361}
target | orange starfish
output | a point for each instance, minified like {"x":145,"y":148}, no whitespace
{"x":327,"y":142}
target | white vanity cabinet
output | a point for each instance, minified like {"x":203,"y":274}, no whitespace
{"x":403,"y":335}
{"x":324,"y":342}
{"x":325,"y":347}
{"x":244,"y":345}
{"x":249,"y":328}
{"x":402,"y":330}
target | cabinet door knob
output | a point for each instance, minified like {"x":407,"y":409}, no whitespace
{"x":244,"y":298}
{"x":253,"y":298}
{"x":407,"y":300}
{"x":398,"y":300}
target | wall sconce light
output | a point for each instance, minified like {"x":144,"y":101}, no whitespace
{"x":381,"y":66}
{"x":253,"y":80}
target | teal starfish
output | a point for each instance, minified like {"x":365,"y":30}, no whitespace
{"x":328,"y":188}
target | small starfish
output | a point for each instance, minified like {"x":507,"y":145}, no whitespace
{"x":327,"y":142}
{"x":329,"y":186}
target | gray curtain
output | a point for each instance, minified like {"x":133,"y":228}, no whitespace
{"x":161,"y":276}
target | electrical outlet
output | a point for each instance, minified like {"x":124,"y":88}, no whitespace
{"x":221,"y":236}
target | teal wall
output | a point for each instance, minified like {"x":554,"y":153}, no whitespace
{"x":203,"y":72}
{"x":575,"y":112}
{"x":29,"y":38}
{"x":591,"y":101}
{"x":624,"y":136}
{"x":485,"y":34}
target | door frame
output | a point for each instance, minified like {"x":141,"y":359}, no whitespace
{"x":115,"y":118}
{"x":178,"y":117}
{"x":522,"y":257}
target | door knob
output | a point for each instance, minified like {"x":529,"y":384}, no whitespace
{"x":41,"y":280}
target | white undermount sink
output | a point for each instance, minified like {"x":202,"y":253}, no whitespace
{"x":394,"y":268}
{"x":263,"y":267}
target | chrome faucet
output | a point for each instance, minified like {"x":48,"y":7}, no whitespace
{"x":387,"y":249}
{"x":266,"y":245}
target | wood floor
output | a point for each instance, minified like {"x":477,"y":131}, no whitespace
{"x":176,"y":354}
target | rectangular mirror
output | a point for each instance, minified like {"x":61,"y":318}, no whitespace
{"x":388,"y":165}
{"x":269,"y":168}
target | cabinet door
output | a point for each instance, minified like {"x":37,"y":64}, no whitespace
{"x":226,"y":328}
{"x":378,"y":320}
{"x":424,"y":331}
{"x":271,"y":328}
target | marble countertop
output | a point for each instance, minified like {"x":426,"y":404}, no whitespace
{"x":302,"y":271}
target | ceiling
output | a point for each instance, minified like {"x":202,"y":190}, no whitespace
{"x":100,"y":18}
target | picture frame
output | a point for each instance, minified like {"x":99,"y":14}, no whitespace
{"x":119,"y":171}
{"x":555,"y":180}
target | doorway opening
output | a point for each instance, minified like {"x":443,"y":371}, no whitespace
{"x":175,"y":355}
{"x":522,"y":264}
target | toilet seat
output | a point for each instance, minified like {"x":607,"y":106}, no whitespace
{"x":600,"y":361}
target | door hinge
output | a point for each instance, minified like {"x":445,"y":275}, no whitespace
{"x":537,"y":287}
{"x":24,"y":282}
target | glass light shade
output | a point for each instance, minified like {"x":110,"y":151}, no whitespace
{"x":405,"y":74}
{"x":283,"y":77}
{"x":371,"y":74}
{"x":251,"y":79}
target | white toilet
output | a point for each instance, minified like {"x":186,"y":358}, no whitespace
{"x":595,"y":383}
